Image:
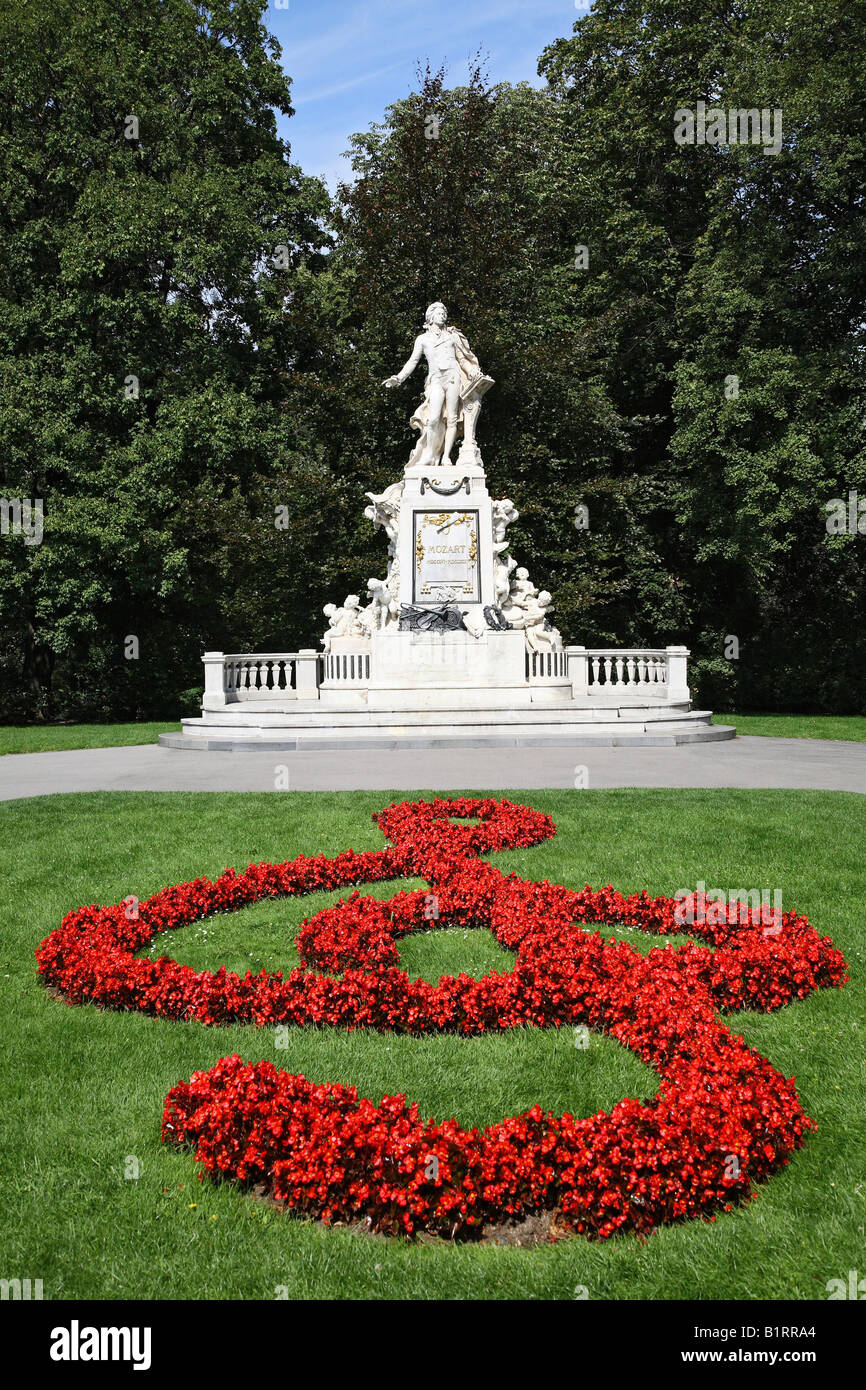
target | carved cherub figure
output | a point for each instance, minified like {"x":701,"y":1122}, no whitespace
{"x":347,"y":621}
{"x":541,"y":635}
{"x":521,"y":591}
{"x":504,"y":513}
{"x":384,"y":510}
{"x":383,"y":609}
{"x":502,"y":578}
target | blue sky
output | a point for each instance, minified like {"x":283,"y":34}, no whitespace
{"x":348,"y":59}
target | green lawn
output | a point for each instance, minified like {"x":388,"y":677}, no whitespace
{"x":82,"y":1091}
{"x":851,"y":727}
{"x":51,"y":738}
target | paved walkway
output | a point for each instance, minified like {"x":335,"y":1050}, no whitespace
{"x":742,"y":762}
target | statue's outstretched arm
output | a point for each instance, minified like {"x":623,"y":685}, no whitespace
{"x":408,"y":368}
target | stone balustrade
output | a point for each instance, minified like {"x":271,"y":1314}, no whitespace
{"x":608,"y":675}
{"x":234,"y":677}
{"x":546,"y":667}
{"x":346,"y":668}
{"x":612,"y":674}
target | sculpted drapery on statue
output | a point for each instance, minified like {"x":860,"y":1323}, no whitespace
{"x":452,"y":392}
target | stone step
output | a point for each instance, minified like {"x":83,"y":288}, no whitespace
{"x":668,"y":730}
{"x":315,"y":714}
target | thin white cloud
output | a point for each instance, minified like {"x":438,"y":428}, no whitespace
{"x":304,"y":98}
{"x":348,"y":61}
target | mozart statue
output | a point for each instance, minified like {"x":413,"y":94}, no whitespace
{"x":452,"y":392}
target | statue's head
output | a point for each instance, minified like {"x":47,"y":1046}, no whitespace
{"x":352,"y":601}
{"x":436,"y":313}
{"x":523,"y":572}
{"x":329,"y":610}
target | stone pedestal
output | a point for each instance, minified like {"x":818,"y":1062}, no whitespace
{"x":447,"y":670}
{"x":447,"y":658}
{"x":445,"y":542}
{"x":449,"y":625}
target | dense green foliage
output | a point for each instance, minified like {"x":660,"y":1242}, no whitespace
{"x":83,"y":1089}
{"x":143,"y":265}
{"x":260,"y":373}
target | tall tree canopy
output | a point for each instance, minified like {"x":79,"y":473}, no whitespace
{"x":477,"y":195}
{"x":675,"y":330}
{"x":144,"y":196}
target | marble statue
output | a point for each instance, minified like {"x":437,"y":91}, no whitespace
{"x":521,"y":590}
{"x":330,"y":611}
{"x":384,"y":510}
{"x":453,"y":389}
{"x":502,"y":578}
{"x":540,"y":634}
{"x":348,"y":621}
{"x":384,"y":607}
{"x":504,"y":512}
{"x":527,"y":609}
{"x":506,"y":597}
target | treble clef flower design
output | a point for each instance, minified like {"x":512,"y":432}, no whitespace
{"x":325,"y":1151}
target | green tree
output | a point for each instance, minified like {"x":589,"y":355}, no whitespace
{"x":752,"y":362}
{"x":482,"y":196}
{"x":774,"y":306}
{"x":153,"y":229}
{"x":676,"y":333}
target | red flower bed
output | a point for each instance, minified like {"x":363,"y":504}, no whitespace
{"x":722,"y":1119}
